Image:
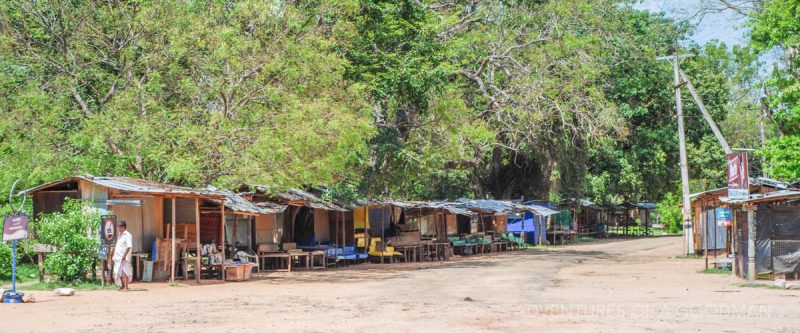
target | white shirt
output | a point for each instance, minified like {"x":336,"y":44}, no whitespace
{"x":124,"y":241}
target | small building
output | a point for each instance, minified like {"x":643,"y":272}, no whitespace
{"x":307,"y":221}
{"x":766,"y":237}
{"x":165,"y":220}
{"x":492,"y":215}
{"x":531,"y":224}
{"x":248,"y":226}
{"x":708,"y":234}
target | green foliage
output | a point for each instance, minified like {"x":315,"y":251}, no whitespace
{"x":669,"y":210}
{"x":417,"y":99}
{"x":74,"y":233}
{"x":5,"y":261}
{"x":782,"y":157}
{"x":191,"y":93}
{"x":776,"y":27}
{"x":25,"y":272}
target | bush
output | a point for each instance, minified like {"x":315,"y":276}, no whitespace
{"x":669,"y":210}
{"x":5,"y":261}
{"x":74,"y":233}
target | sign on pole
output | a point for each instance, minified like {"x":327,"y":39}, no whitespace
{"x":108,"y":227}
{"x":724,"y":217}
{"x":108,"y":234}
{"x":15,"y":227}
{"x":738,"y":176}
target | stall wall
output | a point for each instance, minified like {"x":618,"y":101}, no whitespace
{"x":714,"y":237}
{"x":267,"y":230}
{"x":452,"y":224}
{"x":321,"y":226}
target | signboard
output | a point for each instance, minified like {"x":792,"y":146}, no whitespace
{"x":724,"y":217}
{"x":108,"y":235}
{"x":15,"y":227}
{"x":108,"y":229}
{"x":738,"y":176}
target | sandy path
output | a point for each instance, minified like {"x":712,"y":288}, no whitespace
{"x":606,"y":287}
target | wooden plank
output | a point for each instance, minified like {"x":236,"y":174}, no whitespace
{"x":172,"y":251}
{"x":222,"y":234}
{"x":197,"y":239}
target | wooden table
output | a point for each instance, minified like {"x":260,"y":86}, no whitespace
{"x":501,"y":246}
{"x":321,"y":255}
{"x":288,"y":257}
{"x":428,"y":248}
{"x":468,"y":249}
{"x":409,"y":252}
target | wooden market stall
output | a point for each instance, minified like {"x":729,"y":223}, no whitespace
{"x":308,"y":227}
{"x":165,"y":220}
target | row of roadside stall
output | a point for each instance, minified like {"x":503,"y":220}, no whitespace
{"x":183,"y":233}
{"x":758,"y":237}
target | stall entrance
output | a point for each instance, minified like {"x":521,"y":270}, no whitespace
{"x":463,"y":224}
{"x":301,"y":226}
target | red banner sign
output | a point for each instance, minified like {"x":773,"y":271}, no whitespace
{"x":738,"y":176}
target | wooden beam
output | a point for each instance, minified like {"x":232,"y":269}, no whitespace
{"x":197,"y":239}
{"x":222,"y":241}
{"x":172,"y":255}
{"x":235,"y":230}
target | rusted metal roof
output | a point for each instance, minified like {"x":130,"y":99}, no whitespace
{"x":297,"y":197}
{"x":487,"y":205}
{"x":132,"y":185}
{"x":777,"y":196}
{"x":236,"y":203}
{"x":754,"y":183}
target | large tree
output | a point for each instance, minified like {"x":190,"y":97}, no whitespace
{"x":189,"y":92}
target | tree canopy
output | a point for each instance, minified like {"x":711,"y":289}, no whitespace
{"x":416,"y":99}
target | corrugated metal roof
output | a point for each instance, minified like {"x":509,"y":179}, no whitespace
{"x":504,"y":207}
{"x":541,"y":210}
{"x":133,"y":185}
{"x":236,"y":203}
{"x":296,"y":195}
{"x":760,"y":181}
{"x":777,"y":196}
{"x":486,"y":205}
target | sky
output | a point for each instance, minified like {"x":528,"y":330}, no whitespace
{"x":726,"y":26}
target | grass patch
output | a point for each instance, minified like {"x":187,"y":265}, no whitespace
{"x":83,"y":285}
{"x":640,"y":231}
{"x":25,"y":273}
{"x":759,"y":285}
{"x":585,"y":240}
{"x":717,"y":271}
{"x":688,"y":256}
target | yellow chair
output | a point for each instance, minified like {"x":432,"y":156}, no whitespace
{"x":388,"y":251}
{"x":360,"y":240}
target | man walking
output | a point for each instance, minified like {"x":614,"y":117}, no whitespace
{"x":122,"y":257}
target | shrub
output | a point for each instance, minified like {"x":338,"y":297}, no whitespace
{"x":74,"y":233}
{"x":669,"y":210}
{"x":5,"y":261}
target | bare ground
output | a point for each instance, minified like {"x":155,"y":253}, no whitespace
{"x":622,"y":286}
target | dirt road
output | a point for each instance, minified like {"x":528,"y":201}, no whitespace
{"x":623,"y":286}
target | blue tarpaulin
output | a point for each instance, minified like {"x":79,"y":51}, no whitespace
{"x":532,"y":225}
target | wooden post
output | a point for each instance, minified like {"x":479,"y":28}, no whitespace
{"x":197,"y":239}
{"x":344,"y":237}
{"x":172,"y":254}
{"x":222,"y":233}
{"x":235,"y":235}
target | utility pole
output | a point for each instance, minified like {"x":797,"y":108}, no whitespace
{"x":709,"y":119}
{"x":688,"y":235}
{"x":764,"y":114}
